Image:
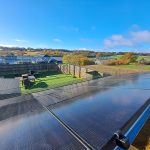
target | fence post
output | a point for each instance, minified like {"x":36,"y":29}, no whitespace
{"x":79,"y":71}
{"x":68,"y":68}
{"x":73,"y":70}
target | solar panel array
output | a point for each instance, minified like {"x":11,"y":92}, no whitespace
{"x":27,"y":126}
{"x":86,"y":121}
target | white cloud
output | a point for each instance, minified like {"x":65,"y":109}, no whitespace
{"x":86,"y":40}
{"x":117,"y":40}
{"x":83,"y":48}
{"x":18,"y":40}
{"x":135,"y":27}
{"x":141,"y":36}
{"x":57,"y":40}
{"x":133,"y":39}
{"x":8,"y":45}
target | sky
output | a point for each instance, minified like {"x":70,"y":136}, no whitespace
{"x":111,"y":25}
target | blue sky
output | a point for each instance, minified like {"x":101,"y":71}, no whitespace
{"x":76,"y":24}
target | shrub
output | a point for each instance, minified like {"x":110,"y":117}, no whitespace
{"x":116,"y":62}
{"x":110,"y":62}
{"x":122,"y":62}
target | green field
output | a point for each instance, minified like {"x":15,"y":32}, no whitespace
{"x":138,"y":67}
{"x":49,"y":80}
{"x":147,"y":58}
{"x":116,"y":56}
{"x":134,"y":66}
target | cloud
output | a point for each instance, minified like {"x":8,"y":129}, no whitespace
{"x":18,"y":40}
{"x":57,"y":40}
{"x":133,"y":39}
{"x":141,"y":36}
{"x":135,"y":27}
{"x":86,"y":40}
{"x":116,"y":41}
{"x":8,"y":45}
{"x":83,"y":48}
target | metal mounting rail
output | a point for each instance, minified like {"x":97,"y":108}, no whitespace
{"x":71,"y":131}
{"x":136,"y":127}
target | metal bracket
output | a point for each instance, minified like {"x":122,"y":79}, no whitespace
{"x":121,"y":140}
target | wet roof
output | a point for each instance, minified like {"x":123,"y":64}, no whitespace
{"x":94,"y":117}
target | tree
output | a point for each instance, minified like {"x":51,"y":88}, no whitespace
{"x":130,"y":57}
{"x":99,"y":54}
{"x":77,"y":59}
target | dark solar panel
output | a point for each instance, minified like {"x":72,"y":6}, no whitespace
{"x":27,"y":126}
{"x":9,"y":86}
{"x":96,"y":117}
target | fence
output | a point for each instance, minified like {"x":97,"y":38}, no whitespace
{"x":78,"y":71}
{"x":6,"y":69}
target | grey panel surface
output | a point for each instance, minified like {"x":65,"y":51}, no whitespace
{"x":14,"y":100}
{"x":95,"y":117}
{"x":26,"y":125}
{"x":9,"y":86}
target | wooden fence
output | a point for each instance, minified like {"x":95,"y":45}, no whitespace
{"x":78,"y":71}
{"x":6,"y":69}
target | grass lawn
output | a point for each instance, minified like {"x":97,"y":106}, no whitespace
{"x":116,"y":56}
{"x":49,"y":80}
{"x":147,"y":58}
{"x":132,"y":66}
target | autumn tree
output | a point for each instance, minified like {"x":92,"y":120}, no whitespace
{"x":99,"y":54}
{"x":130,"y":57}
{"x":79,"y":60}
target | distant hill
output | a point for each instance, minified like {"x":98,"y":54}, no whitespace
{"x":22,"y":51}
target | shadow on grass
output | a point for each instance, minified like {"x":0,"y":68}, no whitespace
{"x":38,"y":85}
{"x":47,"y":73}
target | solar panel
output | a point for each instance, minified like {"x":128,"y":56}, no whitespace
{"x":106,"y":106}
{"x":26,"y":125}
{"x":97,"y":116}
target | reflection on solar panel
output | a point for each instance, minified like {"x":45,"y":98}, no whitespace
{"x":89,"y":120}
{"x":27,"y":126}
{"x":96,"y":117}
